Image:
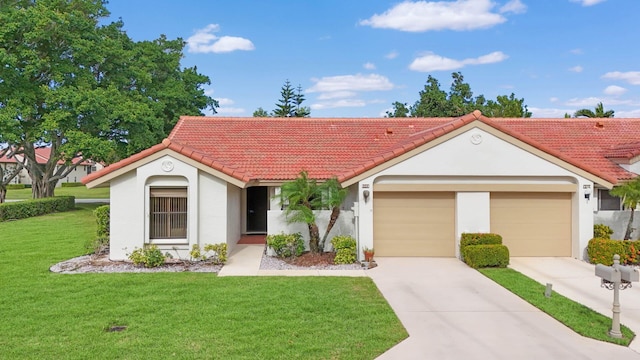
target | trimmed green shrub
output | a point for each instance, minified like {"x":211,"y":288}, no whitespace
{"x":71,"y":184}
{"x":602,"y":231}
{"x":149,"y":256}
{"x":102,"y":214}
{"x":15,"y":186}
{"x":30,"y":208}
{"x":286,"y":245}
{"x":467,"y":239}
{"x":345,"y":247}
{"x":601,"y":251}
{"x":480,"y":256}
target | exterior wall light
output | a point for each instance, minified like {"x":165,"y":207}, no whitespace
{"x":587,"y":193}
{"x":366,"y":194}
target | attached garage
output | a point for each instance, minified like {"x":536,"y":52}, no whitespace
{"x":533,"y":224}
{"x":414,"y":224}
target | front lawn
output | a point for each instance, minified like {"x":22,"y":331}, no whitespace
{"x":80,"y":192}
{"x":577,"y":317}
{"x":178,"y":315}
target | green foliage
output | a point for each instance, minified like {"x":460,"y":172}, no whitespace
{"x":219,"y":256}
{"x":82,"y":86}
{"x":467,"y":239}
{"x":196,"y":253}
{"x":601,"y":251}
{"x":260,"y":112}
{"x":629,"y":192}
{"x":103,"y":218}
{"x":15,"y":186}
{"x":286,"y":245}
{"x":345,"y":247}
{"x":481,"y":256}
{"x":290,"y":103}
{"x":602,"y":231}
{"x":98,"y":246}
{"x":300,"y":197}
{"x":149,"y":256}
{"x":29,"y":208}
{"x":71,"y":184}
{"x":598,"y":113}
{"x":435,"y":102}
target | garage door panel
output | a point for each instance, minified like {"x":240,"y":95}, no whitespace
{"x":414,"y":224}
{"x":533,"y":224}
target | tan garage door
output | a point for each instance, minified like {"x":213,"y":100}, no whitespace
{"x":413,"y":223}
{"x":533,"y":224}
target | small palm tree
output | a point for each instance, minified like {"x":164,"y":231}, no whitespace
{"x":630,"y":195}
{"x":302,"y":196}
{"x":598,"y":113}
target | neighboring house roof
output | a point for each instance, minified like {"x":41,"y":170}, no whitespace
{"x":277,"y":149}
{"x":5,"y":159}
{"x":43,"y":154}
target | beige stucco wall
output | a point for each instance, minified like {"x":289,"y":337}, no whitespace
{"x":492,"y":160}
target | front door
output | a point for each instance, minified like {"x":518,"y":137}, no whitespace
{"x":257,"y":206}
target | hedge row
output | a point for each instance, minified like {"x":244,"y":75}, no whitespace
{"x":36,"y":207}
{"x":71,"y":184}
{"x":480,"y":250}
{"x":601,"y":251}
{"x":15,"y":186}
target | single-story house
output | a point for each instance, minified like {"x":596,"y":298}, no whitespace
{"x":414,"y":184}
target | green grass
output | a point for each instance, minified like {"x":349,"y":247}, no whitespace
{"x":577,"y":317}
{"x":179,"y":315}
{"x":80,"y":192}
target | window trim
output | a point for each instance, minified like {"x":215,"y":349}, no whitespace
{"x":164,"y":191}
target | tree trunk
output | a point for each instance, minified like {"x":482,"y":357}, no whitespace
{"x":42,"y":188}
{"x":314,"y":239}
{"x":3,"y":193}
{"x":627,"y":234}
{"x":335,"y":213}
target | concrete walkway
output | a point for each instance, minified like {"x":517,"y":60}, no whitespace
{"x":576,"y":280}
{"x":245,"y":261}
{"x":453,"y":312}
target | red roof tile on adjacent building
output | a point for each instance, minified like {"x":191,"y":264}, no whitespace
{"x":277,"y":149}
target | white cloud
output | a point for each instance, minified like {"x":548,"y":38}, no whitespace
{"x":392,"y":55}
{"x":635,"y":113}
{"x":632,"y":77}
{"x":588,"y":2}
{"x":433,"y":62}
{"x":369,"y":66}
{"x":422,"y":16}
{"x":576,"y":69}
{"x":514,"y":6}
{"x":339,"y":103}
{"x":224,"y":101}
{"x":337,"y":95}
{"x":614,"y":90}
{"x":358,"y":82}
{"x":549,"y":112}
{"x":344,"y":90}
{"x":553,"y":99}
{"x":204,"y":41}
{"x":576,"y":51}
{"x":583,"y":102}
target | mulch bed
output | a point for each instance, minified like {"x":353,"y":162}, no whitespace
{"x":311,"y":259}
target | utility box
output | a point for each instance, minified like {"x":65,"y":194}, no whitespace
{"x":609,"y":273}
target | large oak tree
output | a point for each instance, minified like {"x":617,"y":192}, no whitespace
{"x":84,"y":89}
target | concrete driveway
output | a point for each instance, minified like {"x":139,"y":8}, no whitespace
{"x":453,"y":312}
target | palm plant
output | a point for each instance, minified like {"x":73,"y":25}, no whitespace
{"x":302,"y":196}
{"x":598,"y":113}
{"x":629,"y":192}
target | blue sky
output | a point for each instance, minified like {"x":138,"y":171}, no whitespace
{"x":354,"y":58}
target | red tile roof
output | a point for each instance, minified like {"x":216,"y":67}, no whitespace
{"x":276,"y":149}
